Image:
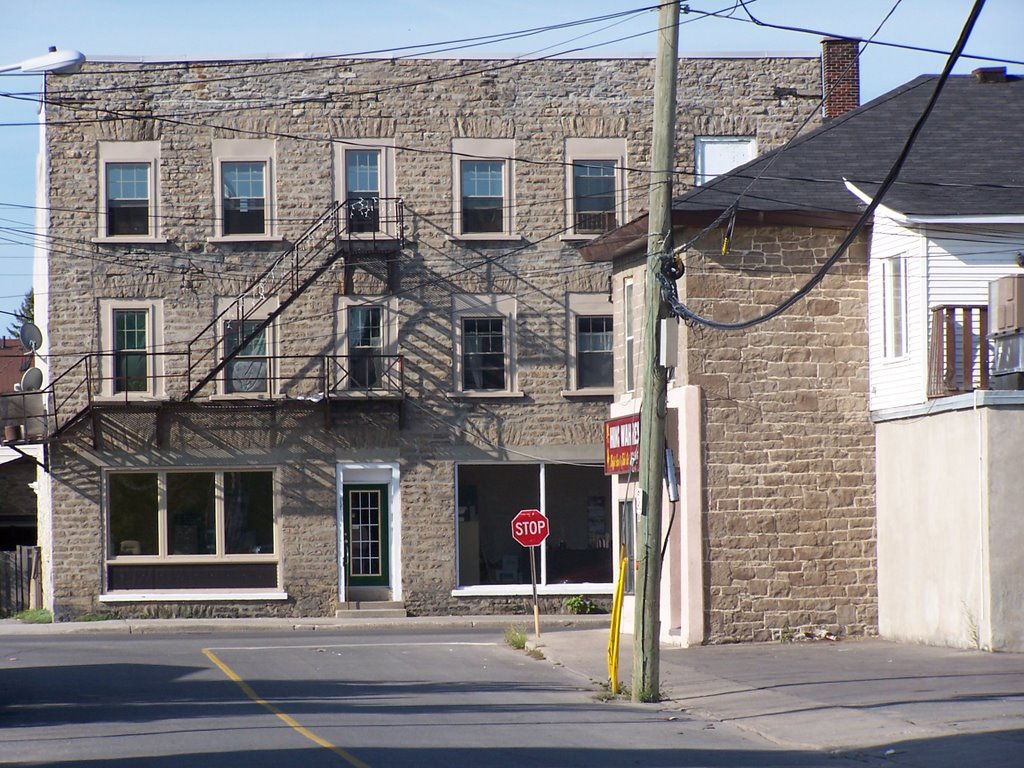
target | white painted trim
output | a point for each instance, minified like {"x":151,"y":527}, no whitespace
{"x":491,"y":590}
{"x":371,"y":472}
{"x":192,"y":597}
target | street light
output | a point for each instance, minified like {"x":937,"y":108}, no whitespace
{"x":53,"y":61}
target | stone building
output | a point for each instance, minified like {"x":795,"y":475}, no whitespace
{"x":317,"y":329}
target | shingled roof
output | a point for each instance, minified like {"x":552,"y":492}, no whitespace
{"x":967,"y":161}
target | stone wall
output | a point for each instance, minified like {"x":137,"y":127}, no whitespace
{"x":421,"y":106}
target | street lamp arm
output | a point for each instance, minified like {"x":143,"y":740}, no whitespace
{"x":55,"y":60}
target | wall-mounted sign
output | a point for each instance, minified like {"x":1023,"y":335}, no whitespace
{"x":622,"y":445}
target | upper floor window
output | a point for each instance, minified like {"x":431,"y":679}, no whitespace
{"x":249,"y":370}
{"x":128,"y":202}
{"x":130,"y":337}
{"x":590,"y":342}
{"x":629,"y":335}
{"x":484,"y":344}
{"x":715,"y":155}
{"x":483,"y":187}
{"x":894,"y":306}
{"x":365,"y":184}
{"x":243,"y":176}
{"x":595,"y":199}
{"x":367,"y":346}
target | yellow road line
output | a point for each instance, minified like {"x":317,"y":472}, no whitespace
{"x":352,"y":760}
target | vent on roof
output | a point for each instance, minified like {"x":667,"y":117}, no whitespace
{"x":990,"y":74}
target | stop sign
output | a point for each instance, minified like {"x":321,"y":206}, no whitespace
{"x":530,"y":527}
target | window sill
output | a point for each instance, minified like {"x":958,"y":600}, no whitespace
{"x":158,"y":596}
{"x":245,"y":239}
{"x":589,"y":392}
{"x":129,"y":240}
{"x":261,"y":396}
{"x":108,"y":398}
{"x":485,"y":237}
{"x":497,"y":394}
{"x":502,"y":590}
{"x":570,"y":238}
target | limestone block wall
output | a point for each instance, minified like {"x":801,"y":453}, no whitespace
{"x":788,"y":443}
{"x":420,"y":106}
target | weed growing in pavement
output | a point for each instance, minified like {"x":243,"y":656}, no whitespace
{"x":35,"y":616}
{"x":578,"y":604}
{"x":515,"y":637}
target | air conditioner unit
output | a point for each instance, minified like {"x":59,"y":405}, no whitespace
{"x":1006,"y":304}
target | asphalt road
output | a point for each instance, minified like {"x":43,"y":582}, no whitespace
{"x":371,"y":698}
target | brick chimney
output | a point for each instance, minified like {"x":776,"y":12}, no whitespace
{"x":840,"y":76}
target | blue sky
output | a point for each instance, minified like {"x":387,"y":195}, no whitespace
{"x":218,"y":28}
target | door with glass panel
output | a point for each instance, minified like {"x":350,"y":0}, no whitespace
{"x":366,"y":535}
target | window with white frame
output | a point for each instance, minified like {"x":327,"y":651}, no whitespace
{"x":484,"y":204}
{"x":367,"y":345}
{"x":130,"y":337}
{"x":128,"y":190}
{"x":484,"y":343}
{"x":243,"y":179}
{"x":628,"y":336}
{"x":191,"y":529}
{"x":590,"y":342}
{"x":576,"y":500}
{"x":894,"y":306}
{"x":364,"y":184}
{"x":595,"y":193}
{"x":715,"y":155}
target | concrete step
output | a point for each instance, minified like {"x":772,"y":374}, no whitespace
{"x":371,"y":609}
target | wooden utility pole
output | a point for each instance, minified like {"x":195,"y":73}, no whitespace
{"x":646,"y":652}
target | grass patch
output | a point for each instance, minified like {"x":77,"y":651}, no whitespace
{"x":35,"y":616}
{"x":535,"y":653}
{"x":97,"y":617}
{"x":515,"y":637}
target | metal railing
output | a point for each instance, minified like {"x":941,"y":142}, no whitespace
{"x":958,"y":349}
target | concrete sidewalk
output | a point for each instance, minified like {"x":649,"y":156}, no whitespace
{"x":904,"y":704}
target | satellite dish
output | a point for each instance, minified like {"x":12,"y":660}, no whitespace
{"x":32,"y":380}
{"x":31,"y":336}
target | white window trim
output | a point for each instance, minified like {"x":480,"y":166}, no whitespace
{"x":889,"y":353}
{"x":700,"y":174}
{"x":154,"y":346}
{"x":147,"y":152}
{"x":582,"y":150}
{"x":485,"y":305}
{"x":387,"y":180}
{"x":585,"y":305}
{"x":628,"y":333}
{"x":245,"y":151}
{"x":484,"y":149}
{"x":163,"y":556}
{"x":254,"y":309}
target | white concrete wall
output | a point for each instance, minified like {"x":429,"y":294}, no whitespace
{"x":950,"y":570}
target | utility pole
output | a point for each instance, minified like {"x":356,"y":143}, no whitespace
{"x":646,"y":631}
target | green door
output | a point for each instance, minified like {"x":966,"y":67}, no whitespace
{"x":366,"y":535}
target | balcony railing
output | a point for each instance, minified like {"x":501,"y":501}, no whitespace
{"x":93,"y":381}
{"x":958,"y":350}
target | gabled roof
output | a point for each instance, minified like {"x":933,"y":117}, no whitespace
{"x":967,"y":161}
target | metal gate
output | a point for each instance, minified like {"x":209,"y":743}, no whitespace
{"x":19,"y":578}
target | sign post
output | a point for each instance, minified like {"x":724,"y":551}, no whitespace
{"x":530,"y":528}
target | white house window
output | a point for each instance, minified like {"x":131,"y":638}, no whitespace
{"x":483,"y":187}
{"x":596,"y":185}
{"x":894,"y":306}
{"x":484,"y":346}
{"x":128,"y":190}
{"x":715,"y":155}
{"x":243,"y":177}
{"x":191,"y":529}
{"x":629,"y":336}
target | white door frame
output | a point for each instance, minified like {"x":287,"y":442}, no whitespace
{"x":386,"y":473}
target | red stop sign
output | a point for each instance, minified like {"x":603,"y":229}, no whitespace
{"x":530,"y":527}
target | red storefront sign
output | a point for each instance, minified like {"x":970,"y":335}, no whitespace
{"x":622,"y":445}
